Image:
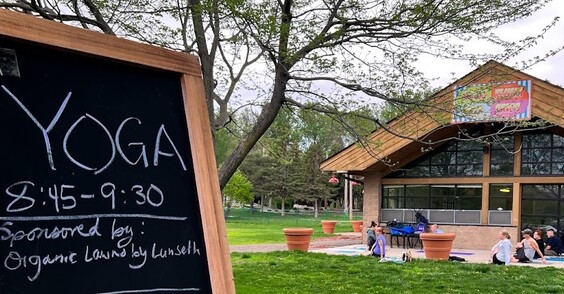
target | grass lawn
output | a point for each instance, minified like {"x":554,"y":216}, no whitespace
{"x":299,"y":272}
{"x":245,"y":227}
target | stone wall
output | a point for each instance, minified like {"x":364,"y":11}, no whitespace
{"x":372,"y":200}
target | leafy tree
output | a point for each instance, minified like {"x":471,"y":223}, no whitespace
{"x":260,"y":169}
{"x":239,"y":189}
{"x":335,"y":53}
{"x":316,"y":186}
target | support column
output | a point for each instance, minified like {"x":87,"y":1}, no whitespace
{"x":372,"y":198}
{"x":516,"y":206}
{"x":349,"y":186}
{"x":517,"y":186}
{"x":345,"y":195}
{"x":485,"y":202}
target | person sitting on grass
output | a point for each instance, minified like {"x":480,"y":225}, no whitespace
{"x":526,"y":248}
{"x":537,"y":235}
{"x":371,"y":235}
{"x":380,"y":245}
{"x":501,"y":252}
{"x":553,"y":244}
{"x":435,"y":229}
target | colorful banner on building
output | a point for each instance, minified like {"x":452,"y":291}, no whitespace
{"x":507,"y":101}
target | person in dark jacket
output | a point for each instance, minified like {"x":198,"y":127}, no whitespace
{"x":553,"y":244}
{"x":537,"y":235}
{"x":371,"y":235}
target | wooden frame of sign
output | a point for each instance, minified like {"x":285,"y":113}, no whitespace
{"x":71,"y":41}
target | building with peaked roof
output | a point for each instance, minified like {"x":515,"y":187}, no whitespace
{"x":486,"y":153}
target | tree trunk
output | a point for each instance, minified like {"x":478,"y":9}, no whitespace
{"x":315,"y":208}
{"x":270,"y":111}
{"x":266,"y":117}
{"x":282,"y":209}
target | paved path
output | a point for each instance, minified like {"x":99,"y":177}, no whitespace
{"x":351,"y":244}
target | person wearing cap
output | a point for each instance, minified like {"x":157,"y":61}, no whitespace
{"x":553,"y":244}
{"x":526,"y":248}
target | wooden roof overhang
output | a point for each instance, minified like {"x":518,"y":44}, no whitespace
{"x":401,"y":141}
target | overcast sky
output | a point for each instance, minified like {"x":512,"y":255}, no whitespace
{"x":552,"y":69}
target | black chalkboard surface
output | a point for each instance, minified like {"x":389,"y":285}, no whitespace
{"x":97,"y":189}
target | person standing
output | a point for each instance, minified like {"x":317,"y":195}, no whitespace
{"x":537,"y":235}
{"x":553,"y":244}
{"x":380,"y":246}
{"x":501,"y":252}
{"x":526,"y":248}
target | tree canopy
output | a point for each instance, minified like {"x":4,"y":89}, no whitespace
{"x":327,"y":55}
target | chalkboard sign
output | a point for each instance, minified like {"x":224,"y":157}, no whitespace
{"x":108,"y":180}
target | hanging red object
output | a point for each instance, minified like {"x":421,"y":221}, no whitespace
{"x":354,"y":183}
{"x":333,"y":180}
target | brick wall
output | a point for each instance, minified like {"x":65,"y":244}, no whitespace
{"x":478,"y":237}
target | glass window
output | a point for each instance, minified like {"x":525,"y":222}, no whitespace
{"x":470,"y":203}
{"x":443,"y":190}
{"x":542,"y":205}
{"x":468,"y":197}
{"x":531,"y":221}
{"x":501,"y":196}
{"x":397,"y":190}
{"x":417,"y":171}
{"x":470,"y":145}
{"x":542,"y":154}
{"x":501,"y":169}
{"x":539,"y":207}
{"x":536,"y":140}
{"x":501,"y":156}
{"x":536,"y":155}
{"x":455,"y":158}
{"x":393,"y":196}
{"x":417,"y":190}
{"x":473,"y":157}
{"x":558,"y":167}
{"x":540,"y":191}
{"x":558,"y":141}
{"x":469,"y":190}
{"x":443,"y":158}
{"x":558,"y":155}
{"x":442,"y":203}
{"x":464,"y":197}
{"x":440,"y":171}
{"x":536,"y":168}
{"x":416,"y":202}
{"x":469,"y":170}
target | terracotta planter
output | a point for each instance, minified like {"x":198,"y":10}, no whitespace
{"x":298,"y":238}
{"x":356,"y":225}
{"x":328,"y":226}
{"x":437,"y":246}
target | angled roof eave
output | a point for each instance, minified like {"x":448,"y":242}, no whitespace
{"x":549,"y":106}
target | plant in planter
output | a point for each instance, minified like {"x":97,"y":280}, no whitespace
{"x":437,"y":245}
{"x":328,"y":226}
{"x":298,"y":238}
{"x":357,"y":226}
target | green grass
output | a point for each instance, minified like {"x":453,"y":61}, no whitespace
{"x":298,"y":272}
{"x":245,"y":227}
